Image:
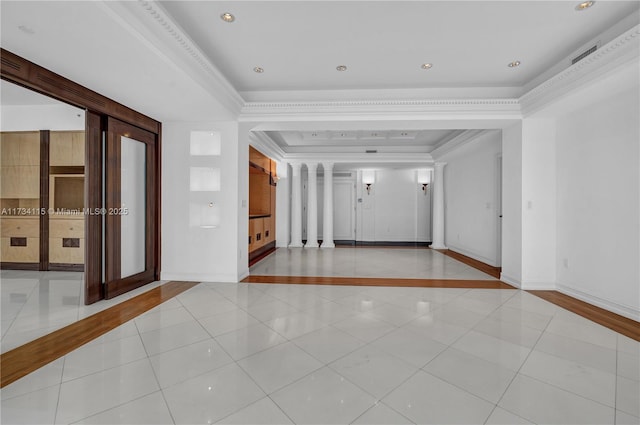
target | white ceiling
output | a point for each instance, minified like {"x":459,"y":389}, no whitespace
{"x":164,"y":58}
{"x":383,"y":43}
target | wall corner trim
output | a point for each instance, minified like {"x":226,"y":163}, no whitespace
{"x":511,"y":280}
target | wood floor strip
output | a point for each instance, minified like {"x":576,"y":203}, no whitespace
{"x":472,"y":262}
{"x":27,"y":358}
{"x":613,"y":321}
{"x":379,"y":281}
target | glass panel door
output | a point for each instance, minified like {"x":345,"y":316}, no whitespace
{"x":133,"y":206}
{"x":130,"y":208}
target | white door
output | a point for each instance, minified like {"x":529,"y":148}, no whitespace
{"x":344,"y":223}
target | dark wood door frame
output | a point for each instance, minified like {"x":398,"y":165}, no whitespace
{"x":115,"y":283}
{"x":18,"y":70}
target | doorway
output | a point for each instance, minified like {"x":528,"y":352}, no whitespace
{"x":121,"y":187}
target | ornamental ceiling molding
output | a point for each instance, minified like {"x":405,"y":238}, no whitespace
{"x":361,"y":158}
{"x":262,"y":110}
{"x":458,"y":141}
{"x":622,"y":50}
{"x":171,"y":41}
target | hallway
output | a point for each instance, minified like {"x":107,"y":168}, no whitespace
{"x":407,"y":263}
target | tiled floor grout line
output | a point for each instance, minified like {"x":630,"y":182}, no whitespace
{"x":50,"y":346}
{"x":155,"y":375}
{"x":518,"y":371}
{"x":615,"y":388}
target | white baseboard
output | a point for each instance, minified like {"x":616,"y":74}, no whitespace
{"x":612,"y":306}
{"x":201,"y":277}
{"x":473,"y":255}
{"x":510,"y":280}
{"x":528,"y":285}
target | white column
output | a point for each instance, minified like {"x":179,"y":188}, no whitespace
{"x":438,"y":207}
{"x":312,"y":206}
{"x":296,"y":206}
{"x":327,"y":214}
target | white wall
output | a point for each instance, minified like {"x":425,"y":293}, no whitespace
{"x":512,"y":205}
{"x":190,"y":251}
{"x":396,"y":210}
{"x":41,"y":117}
{"x":538,"y":203}
{"x":598,"y":212}
{"x":283,"y":206}
{"x":471,"y":194}
{"x":240,"y":175}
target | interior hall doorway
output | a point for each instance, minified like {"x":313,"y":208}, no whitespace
{"x":107,"y":191}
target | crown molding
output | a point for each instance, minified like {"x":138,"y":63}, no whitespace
{"x":457,"y":142}
{"x":361,"y":158}
{"x":350,"y":109}
{"x":416,"y":93}
{"x":157,"y":27}
{"x":621,"y":51}
{"x":264,"y":143}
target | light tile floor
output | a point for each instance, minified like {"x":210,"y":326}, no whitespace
{"x":37,"y":303}
{"x":366,"y":262}
{"x":280,"y":354}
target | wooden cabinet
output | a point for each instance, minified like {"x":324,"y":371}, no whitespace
{"x":66,"y":239}
{"x":20,"y":164}
{"x":20,"y":239}
{"x":20,"y":174}
{"x":20,"y":148}
{"x":262,"y":204}
{"x":66,"y":148}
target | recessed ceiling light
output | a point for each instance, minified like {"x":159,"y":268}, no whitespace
{"x":514,"y":64}
{"x":585,"y":5}
{"x":258,"y":70}
{"x":426,"y":66}
{"x":227,"y":17}
{"x":341,"y":68}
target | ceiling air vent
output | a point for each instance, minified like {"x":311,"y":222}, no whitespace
{"x":371,"y":151}
{"x":584,"y":54}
